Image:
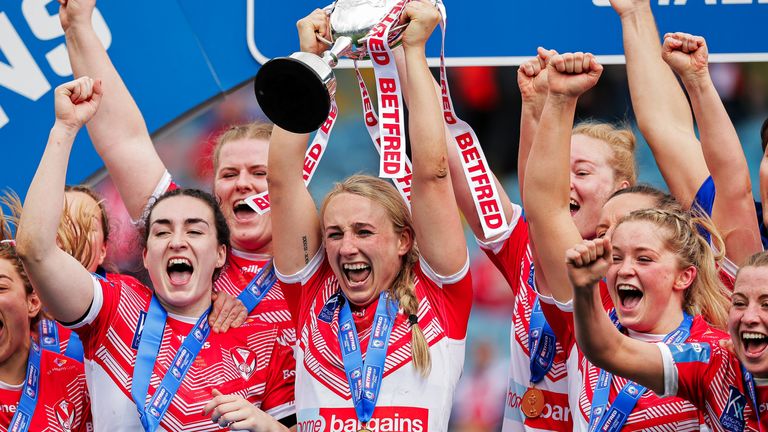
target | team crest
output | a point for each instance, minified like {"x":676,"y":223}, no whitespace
{"x":59,"y":362}
{"x":245,"y":360}
{"x":65,"y":414}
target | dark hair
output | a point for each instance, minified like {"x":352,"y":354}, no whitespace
{"x":662,"y":200}
{"x":764,"y":134}
{"x":222,"y":229}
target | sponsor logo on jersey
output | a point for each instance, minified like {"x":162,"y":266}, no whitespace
{"x":245,"y":361}
{"x":328,"y":310}
{"x":386,"y":419}
{"x":59,"y":362}
{"x":138,"y":330}
{"x":65,"y":414}
{"x":732,"y":417}
{"x":556,"y":414}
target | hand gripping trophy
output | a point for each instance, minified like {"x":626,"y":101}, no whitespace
{"x":295,"y":92}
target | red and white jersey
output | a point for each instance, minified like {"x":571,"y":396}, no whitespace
{"x":511,"y":254}
{"x":62,"y":400}
{"x":407,"y":401}
{"x":651,"y":412}
{"x":238,"y":272}
{"x":250,"y":361}
{"x":710,"y":377}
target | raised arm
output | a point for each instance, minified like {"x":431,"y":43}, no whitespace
{"x":596,"y":336}
{"x":662,"y":111}
{"x":296,"y":235}
{"x":118,"y":131}
{"x":733,"y":211}
{"x":435,"y":214}
{"x":546,"y":195}
{"x":63,"y":284}
{"x":532,"y":81}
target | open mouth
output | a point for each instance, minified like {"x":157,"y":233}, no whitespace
{"x":574,"y":206}
{"x":356,"y":273}
{"x":754,"y":343}
{"x":629,"y":296}
{"x":242,"y":210}
{"x":179,"y":270}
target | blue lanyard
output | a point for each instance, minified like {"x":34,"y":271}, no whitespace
{"x":612,"y":419}
{"x":258,"y":288}
{"x":749,"y":382}
{"x":149,"y":346}
{"x":49,"y":340}
{"x":364,"y":378}
{"x":541,"y":339}
{"x":28,"y":401}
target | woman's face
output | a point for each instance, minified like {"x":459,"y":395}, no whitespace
{"x":618,"y":207}
{"x":748,"y":319}
{"x":592,"y":181}
{"x":362,"y":246}
{"x":242,"y":172}
{"x":645,"y":280}
{"x":182,"y":254}
{"x":17,"y":309}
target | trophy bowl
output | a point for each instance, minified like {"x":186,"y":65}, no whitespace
{"x":295,"y":92}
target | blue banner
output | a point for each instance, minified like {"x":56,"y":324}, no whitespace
{"x":176,"y":55}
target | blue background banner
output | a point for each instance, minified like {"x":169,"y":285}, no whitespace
{"x":176,"y":56}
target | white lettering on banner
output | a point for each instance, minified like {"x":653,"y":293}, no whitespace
{"x":478,"y":175}
{"x":403,"y":184}
{"x":260,"y":202}
{"x":48,"y":27}
{"x":685,"y":2}
{"x":21,"y":74}
{"x":392,"y":124}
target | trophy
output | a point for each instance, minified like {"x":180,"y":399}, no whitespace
{"x":295,"y":92}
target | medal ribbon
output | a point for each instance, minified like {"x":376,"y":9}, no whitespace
{"x":260,"y":201}
{"x":28,"y":401}
{"x":403,"y":184}
{"x":49,"y":340}
{"x":364,"y":377}
{"x":151,"y":336}
{"x":477,"y":172}
{"x":390,"y":95}
{"x":749,"y":383}
{"x":541,"y":344}
{"x":612,"y":419}
{"x":259,"y":286}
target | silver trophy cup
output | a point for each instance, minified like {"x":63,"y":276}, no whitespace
{"x":295,"y":92}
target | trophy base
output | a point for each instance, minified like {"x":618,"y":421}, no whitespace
{"x":292,"y":95}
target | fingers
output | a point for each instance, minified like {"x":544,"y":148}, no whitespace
{"x":309,"y":27}
{"x":226,"y":311}
{"x":684,"y":42}
{"x":587,"y":252}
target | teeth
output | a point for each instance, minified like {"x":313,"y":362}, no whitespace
{"x":752,"y":335}
{"x":239,"y":203}
{"x":181,"y":261}
{"x":356,"y":266}
{"x":626,"y":288}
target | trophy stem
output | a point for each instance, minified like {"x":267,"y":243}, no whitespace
{"x":341,"y":47}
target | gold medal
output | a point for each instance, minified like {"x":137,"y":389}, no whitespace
{"x":532,"y":403}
